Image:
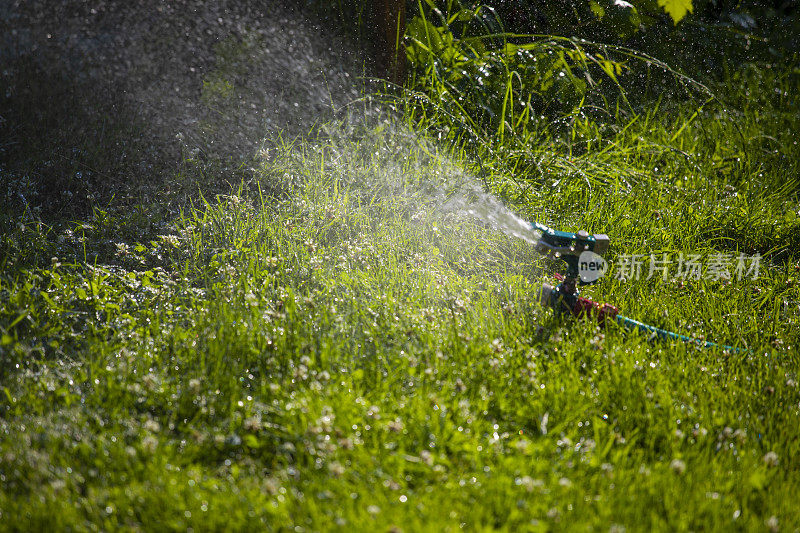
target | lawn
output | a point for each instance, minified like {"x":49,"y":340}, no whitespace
{"x":350,"y":337}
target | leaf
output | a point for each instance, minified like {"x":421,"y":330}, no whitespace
{"x":16,"y":321}
{"x":598,"y":10}
{"x":47,"y":299}
{"x":758,"y":480}
{"x":94,"y":286}
{"x":251,"y":441}
{"x":677,"y":9}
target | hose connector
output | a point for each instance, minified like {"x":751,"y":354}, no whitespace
{"x":564,"y":301}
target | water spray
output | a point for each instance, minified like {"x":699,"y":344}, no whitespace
{"x":583,"y":253}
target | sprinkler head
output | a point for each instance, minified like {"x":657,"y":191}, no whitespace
{"x":565,"y":243}
{"x":576,"y":249}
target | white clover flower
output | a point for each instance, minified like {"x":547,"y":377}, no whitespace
{"x":170,"y":239}
{"x":336,"y":469}
{"x":252,"y":424}
{"x":771,"y":458}
{"x":427,"y":457}
{"x":529,"y":483}
{"x":678,"y":466}
{"x":395,"y":426}
{"x":772,"y":523}
{"x":149,"y":444}
{"x":150,"y":382}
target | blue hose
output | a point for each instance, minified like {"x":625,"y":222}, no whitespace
{"x":663,"y":334}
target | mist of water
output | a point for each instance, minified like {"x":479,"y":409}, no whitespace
{"x":221,"y":79}
{"x":474,"y":201}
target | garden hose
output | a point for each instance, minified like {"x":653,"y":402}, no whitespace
{"x":564,"y":299}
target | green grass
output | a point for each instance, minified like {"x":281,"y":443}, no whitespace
{"x":332,"y":345}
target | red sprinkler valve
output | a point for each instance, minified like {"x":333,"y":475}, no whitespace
{"x":561,"y":299}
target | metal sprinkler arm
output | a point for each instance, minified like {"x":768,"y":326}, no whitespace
{"x":569,"y":246}
{"x":567,"y":243}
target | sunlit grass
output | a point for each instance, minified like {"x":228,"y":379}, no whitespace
{"x":336,"y":343}
{"x":343,"y":351}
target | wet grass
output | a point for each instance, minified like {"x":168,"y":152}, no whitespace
{"x":336,"y":344}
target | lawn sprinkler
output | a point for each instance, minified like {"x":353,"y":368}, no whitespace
{"x":583,"y":253}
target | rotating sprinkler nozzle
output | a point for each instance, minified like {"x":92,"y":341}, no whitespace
{"x":583,"y":252}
